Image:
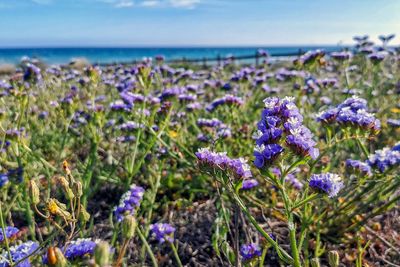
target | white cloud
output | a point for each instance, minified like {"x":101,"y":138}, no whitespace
{"x":123,"y":4}
{"x":150,"y":3}
{"x":184,"y":3}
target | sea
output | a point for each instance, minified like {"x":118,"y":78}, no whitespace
{"x":106,"y":55}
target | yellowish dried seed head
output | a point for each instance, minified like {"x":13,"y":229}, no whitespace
{"x":34,"y":192}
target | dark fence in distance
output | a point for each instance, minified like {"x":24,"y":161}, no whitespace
{"x":218,"y":59}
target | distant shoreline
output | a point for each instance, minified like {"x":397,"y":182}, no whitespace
{"x":107,"y":55}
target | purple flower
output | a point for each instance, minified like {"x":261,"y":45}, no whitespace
{"x":163,"y":232}
{"x":311,"y":56}
{"x":358,"y":166}
{"x":396,"y":147}
{"x":377,"y":57}
{"x":80,"y":248}
{"x":10,"y":232}
{"x":227,"y":99}
{"x":187,"y":97}
{"x":171,"y":92}
{"x":290,"y":178}
{"x":15,"y":132}
{"x":293,"y":181}
{"x":129,"y":202}
{"x":327,"y":116}
{"x":19,"y":252}
{"x":3,"y":179}
{"x":341,"y":56}
{"x":193,"y":106}
{"x":130,"y":125}
{"x":224,"y":132}
{"x":281,"y":116}
{"x":15,"y":175}
{"x":326,"y":182}
{"x":327,"y":82}
{"x":352,"y":112}
{"x":220,"y":161}
{"x":393,"y":122}
{"x":126,"y":139}
{"x":249,"y":184}
{"x":300,"y":140}
{"x":266,"y":154}
{"x":119,"y":105}
{"x":250,"y":251}
{"x":208,"y":122}
{"x":385,"y":158}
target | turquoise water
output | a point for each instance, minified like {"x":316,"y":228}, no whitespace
{"x":110,"y":55}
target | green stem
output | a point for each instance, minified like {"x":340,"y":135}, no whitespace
{"x":281,"y":253}
{"x":3,"y":228}
{"x":178,"y":260}
{"x":147,"y":246}
{"x":292,"y":230}
{"x":363,"y":148}
{"x":304,"y":201}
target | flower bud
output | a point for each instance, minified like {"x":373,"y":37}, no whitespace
{"x":333,"y":258}
{"x":66,"y":167}
{"x":315,"y":262}
{"x":102,"y":254}
{"x":128,"y":226}
{"x":84,"y":215}
{"x":61,"y":260}
{"x":77,"y":189}
{"x":65,"y":185}
{"x":34,"y":192}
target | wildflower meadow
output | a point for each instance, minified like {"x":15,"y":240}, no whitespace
{"x":288,"y":162}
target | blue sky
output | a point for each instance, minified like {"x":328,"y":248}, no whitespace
{"x":194,"y":22}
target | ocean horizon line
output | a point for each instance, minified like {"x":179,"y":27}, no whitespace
{"x":172,"y":46}
{"x":60,"y":55}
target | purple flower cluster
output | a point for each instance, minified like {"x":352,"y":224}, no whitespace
{"x":221,"y":129}
{"x":130,"y":126}
{"x":385,"y":158}
{"x":341,"y":56}
{"x":359,"y":167}
{"x":238,"y":167}
{"x":187,"y":97}
{"x":19,"y":252}
{"x":393,"y":122}
{"x":326,"y":182}
{"x":249,"y":184}
{"x":209,"y":122}
{"x":281,"y":117}
{"x":285,"y":74}
{"x":227,"y":99}
{"x":193,"y":106}
{"x":377,"y":57}
{"x":79,"y":248}
{"x":327,"y":82}
{"x":250,"y":251}
{"x":15,"y":175}
{"x":10,"y":233}
{"x":171,"y":92}
{"x":3,"y":179}
{"x":163,"y":232}
{"x":290,"y":178}
{"x":311,"y":56}
{"x":119,"y":105}
{"x":32,"y":72}
{"x":352,"y":112}
{"x":130,"y":200}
